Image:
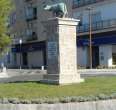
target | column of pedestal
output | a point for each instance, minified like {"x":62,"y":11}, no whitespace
{"x":61,"y":51}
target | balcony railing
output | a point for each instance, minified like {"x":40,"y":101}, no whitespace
{"x":100,"y":25}
{"x":80,"y":3}
{"x":32,"y":37}
{"x":28,"y":0}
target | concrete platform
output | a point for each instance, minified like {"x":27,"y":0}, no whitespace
{"x":15,"y":75}
{"x":97,"y":72}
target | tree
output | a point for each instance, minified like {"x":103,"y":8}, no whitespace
{"x":5,"y":7}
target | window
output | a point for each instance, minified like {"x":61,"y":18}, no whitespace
{"x":80,"y":17}
{"x":31,"y":12}
{"x":12,"y":19}
{"x":96,"y":17}
{"x":29,"y":32}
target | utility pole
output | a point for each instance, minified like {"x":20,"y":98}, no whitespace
{"x":90,"y":36}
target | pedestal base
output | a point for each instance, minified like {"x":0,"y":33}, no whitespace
{"x":61,"y":51}
{"x":61,"y":79}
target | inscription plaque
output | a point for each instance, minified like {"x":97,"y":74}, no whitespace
{"x":52,"y":50}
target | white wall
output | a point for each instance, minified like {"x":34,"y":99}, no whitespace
{"x":105,"y":55}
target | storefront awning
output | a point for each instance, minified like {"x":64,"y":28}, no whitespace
{"x":97,"y":40}
{"x":29,"y":47}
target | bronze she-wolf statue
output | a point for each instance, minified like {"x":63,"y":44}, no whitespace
{"x":58,"y":9}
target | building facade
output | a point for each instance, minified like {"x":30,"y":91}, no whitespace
{"x":29,"y":36}
{"x":103,"y":29}
{"x":25,"y":25}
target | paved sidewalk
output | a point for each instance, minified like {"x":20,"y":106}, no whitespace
{"x":15,"y":75}
{"x":97,"y":72}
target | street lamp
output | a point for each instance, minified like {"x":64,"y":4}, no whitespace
{"x":90,"y":36}
{"x":20,"y":42}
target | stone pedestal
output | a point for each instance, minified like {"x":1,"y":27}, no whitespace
{"x":61,"y":51}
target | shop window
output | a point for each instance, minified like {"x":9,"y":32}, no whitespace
{"x":114,"y":58}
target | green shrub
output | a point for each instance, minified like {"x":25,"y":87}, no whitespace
{"x":14,"y":100}
{"x":37,"y":101}
{"x":58,"y":100}
{"x":25,"y":101}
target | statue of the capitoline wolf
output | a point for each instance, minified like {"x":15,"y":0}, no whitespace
{"x":58,"y":9}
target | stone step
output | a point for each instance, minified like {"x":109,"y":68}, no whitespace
{"x":17,"y":72}
{"x":49,"y":81}
{"x":51,"y":77}
{"x":22,"y":78}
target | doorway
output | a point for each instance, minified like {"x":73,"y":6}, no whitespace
{"x":25,"y":59}
{"x":95,"y":56}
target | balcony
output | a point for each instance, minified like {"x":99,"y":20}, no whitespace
{"x":28,"y":0}
{"x":81,"y":3}
{"x":32,"y":37}
{"x":98,"y":26}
